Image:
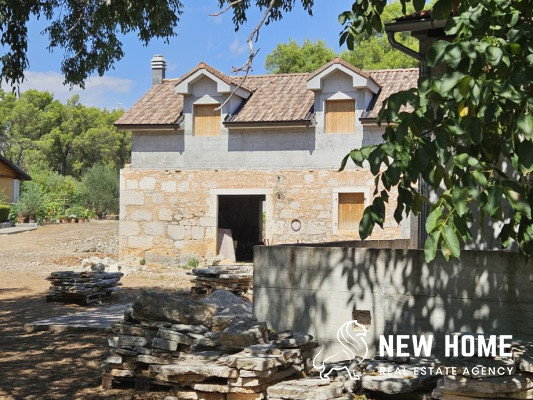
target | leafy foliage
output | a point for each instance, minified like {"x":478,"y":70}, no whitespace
{"x":469,"y":133}
{"x":87,"y":31}
{"x":40,"y":134}
{"x":102,"y":191}
{"x":4,"y":212}
{"x":291,"y":57}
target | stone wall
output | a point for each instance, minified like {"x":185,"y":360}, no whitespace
{"x":317,"y":289}
{"x":166,"y":214}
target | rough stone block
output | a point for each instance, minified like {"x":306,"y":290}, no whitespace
{"x":196,"y":368}
{"x":132,"y":184}
{"x":183,"y":187}
{"x":493,"y":385}
{"x":198,"y":233}
{"x":147,"y":183}
{"x":164,"y":344}
{"x":154,"y":228}
{"x":165,"y":214}
{"x":163,"y":307}
{"x":126,"y":341}
{"x":316,"y":389}
{"x":198,"y":329}
{"x":176,"y":232}
{"x":141,"y":215}
{"x":168,"y":186}
{"x":244,"y":332}
{"x":174,"y":336}
{"x":131,"y":198}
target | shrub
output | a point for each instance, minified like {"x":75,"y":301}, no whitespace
{"x":102,"y":189}
{"x":4,"y":212}
{"x":32,"y":201}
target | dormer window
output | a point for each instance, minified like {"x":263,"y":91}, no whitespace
{"x":207,"y":120}
{"x":340,"y":116}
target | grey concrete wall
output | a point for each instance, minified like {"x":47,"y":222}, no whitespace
{"x":315,"y":290}
{"x":255,"y":148}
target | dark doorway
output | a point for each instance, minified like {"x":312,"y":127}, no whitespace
{"x":243,"y":215}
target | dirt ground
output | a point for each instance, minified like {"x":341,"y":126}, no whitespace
{"x":43,"y":365}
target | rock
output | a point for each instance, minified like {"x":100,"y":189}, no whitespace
{"x":126,"y":341}
{"x":305,"y":389}
{"x":196,"y":368}
{"x":394,"y":383}
{"x":122,"y":373}
{"x":501,"y":385}
{"x":174,"y":336}
{"x":131,"y":330}
{"x":221,"y":322}
{"x":227,"y":303}
{"x":86,"y":263}
{"x":146,"y":359}
{"x":198,"y":329}
{"x":242,"y":333}
{"x":152,"y":306}
{"x":297,"y":340}
{"x":254,"y":363}
{"x":217,"y":260}
{"x":163,"y":344}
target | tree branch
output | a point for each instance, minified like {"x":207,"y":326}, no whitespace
{"x":254,"y":36}
{"x":229,"y":7}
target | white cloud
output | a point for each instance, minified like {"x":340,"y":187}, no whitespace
{"x":99,"y":91}
{"x":237,"y":48}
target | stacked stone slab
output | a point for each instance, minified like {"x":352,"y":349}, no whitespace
{"x":82,"y":288}
{"x":237,"y":279}
{"x":516,"y":384}
{"x":312,"y":388}
{"x":210,"y":349}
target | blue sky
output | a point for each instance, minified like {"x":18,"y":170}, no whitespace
{"x":200,"y":38}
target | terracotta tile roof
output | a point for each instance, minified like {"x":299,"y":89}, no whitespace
{"x":391,"y":81}
{"x":338,"y":60}
{"x":274,"y":98}
{"x":159,"y":106}
{"x":282,"y":97}
{"x":223,"y":77}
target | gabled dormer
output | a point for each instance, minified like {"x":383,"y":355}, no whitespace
{"x":342,"y":93}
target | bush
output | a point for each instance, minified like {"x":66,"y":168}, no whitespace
{"x":32,"y":201}
{"x":102,"y":189}
{"x":4,"y":212}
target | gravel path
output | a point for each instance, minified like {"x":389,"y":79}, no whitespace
{"x":44,"y":365}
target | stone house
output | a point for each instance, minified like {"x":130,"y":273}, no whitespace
{"x":10,"y":177}
{"x":259,"y":167}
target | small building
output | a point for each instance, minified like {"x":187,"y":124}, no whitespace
{"x":217,"y":159}
{"x":10,"y":177}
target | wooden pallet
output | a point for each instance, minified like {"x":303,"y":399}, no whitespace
{"x":76,"y":298}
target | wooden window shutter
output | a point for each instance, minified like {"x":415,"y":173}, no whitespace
{"x":351,"y":207}
{"x":206,"y":120}
{"x":340,"y":116}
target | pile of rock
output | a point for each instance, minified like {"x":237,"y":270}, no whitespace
{"x":489,"y":382}
{"x":202,"y":349}
{"x":106,"y":264}
{"x":237,"y":279}
{"x":313,"y":388}
{"x":82,"y":288}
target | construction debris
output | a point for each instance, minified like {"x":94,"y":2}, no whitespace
{"x":237,"y":279}
{"x":213,"y":352}
{"x":82,"y":288}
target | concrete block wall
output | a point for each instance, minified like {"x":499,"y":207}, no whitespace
{"x":317,"y":289}
{"x":168,"y":214}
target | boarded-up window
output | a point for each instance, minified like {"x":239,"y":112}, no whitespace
{"x":351,"y":207}
{"x":206,"y":120}
{"x":340,"y":116}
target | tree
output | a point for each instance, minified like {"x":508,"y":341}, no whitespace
{"x":291,"y":57}
{"x":102,"y":189}
{"x":87,"y":31}
{"x":478,"y":154}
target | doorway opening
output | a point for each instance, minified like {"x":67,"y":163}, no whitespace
{"x":243,"y":215}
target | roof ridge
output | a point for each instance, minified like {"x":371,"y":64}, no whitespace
{"x":391,"y":69}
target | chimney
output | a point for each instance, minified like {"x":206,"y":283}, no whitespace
{"x":158,"y":69}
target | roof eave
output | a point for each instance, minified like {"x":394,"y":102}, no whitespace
{"x":21,"y":175}
{"x":415,"y":25}
{"x":133,"y":127}
{"x":306,"y":123}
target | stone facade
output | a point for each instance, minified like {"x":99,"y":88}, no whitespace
{"x":166,"y":214}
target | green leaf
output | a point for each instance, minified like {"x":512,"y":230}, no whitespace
{"x":452,"y":241}
{"x":430,"y":247}
{"x":525,"y":124}
{"x":494,"y":55}
{"x":437,"y":52}
{"x":433,"y":218}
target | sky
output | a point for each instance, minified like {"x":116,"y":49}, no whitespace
{"x":201,"y":37}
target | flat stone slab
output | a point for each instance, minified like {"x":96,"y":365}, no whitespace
{"x":305,"y":389}
{"x":18,"y":229}
{"x":100,"y":319}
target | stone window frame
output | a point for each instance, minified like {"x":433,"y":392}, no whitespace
{"x":335,"y":206}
